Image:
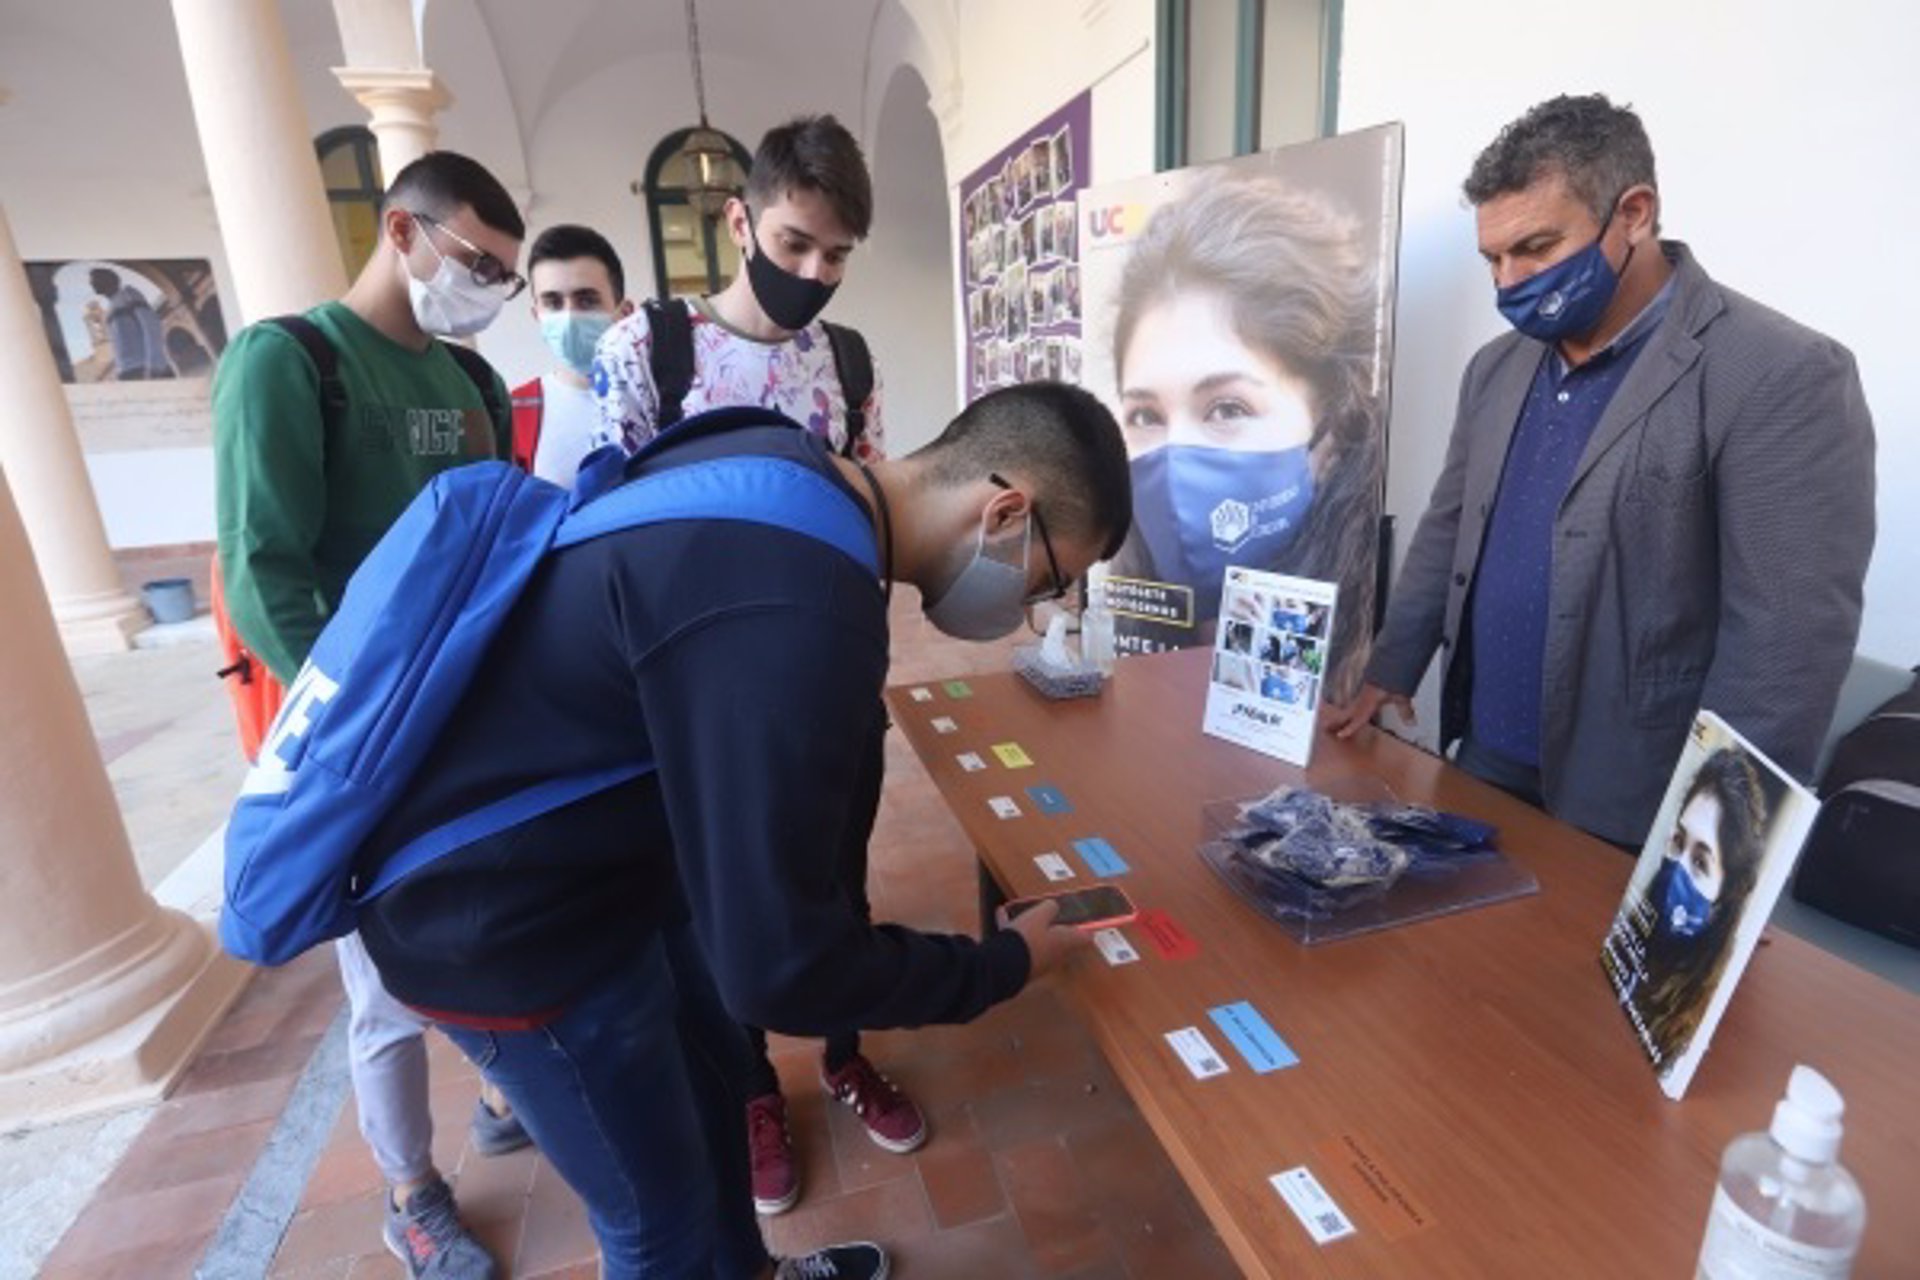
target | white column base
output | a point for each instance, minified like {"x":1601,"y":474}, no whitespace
{"x":103,"y":623}
{"x":133,"y":1061}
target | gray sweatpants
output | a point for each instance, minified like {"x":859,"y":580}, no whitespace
{"x":387,"y":1054}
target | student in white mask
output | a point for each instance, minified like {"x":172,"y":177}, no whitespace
{"x":579,"y":292}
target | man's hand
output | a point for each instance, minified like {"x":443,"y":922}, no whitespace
{"x":1048,"y":945}
{"x":1345,"y":721}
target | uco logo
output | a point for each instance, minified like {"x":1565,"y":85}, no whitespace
{"x":1232,"y":521}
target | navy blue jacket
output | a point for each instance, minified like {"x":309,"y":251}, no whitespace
{"x":749,"y":660}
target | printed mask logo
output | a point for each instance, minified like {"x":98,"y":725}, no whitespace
{"x":1232,"y":522}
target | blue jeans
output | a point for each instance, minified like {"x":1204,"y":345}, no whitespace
{"x":636,"y":1095}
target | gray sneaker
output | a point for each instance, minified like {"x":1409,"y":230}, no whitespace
{"x":429,"y":1237}
{"x":495,"y":1135}
{"x":860,"y":1260}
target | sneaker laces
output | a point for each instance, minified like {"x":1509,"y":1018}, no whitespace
{"x":432,"y":1222}
{"x":866,"y":1089}
{"x":815,"y":1266}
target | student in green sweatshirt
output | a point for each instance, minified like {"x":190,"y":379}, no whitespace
{"x":312,"y":467}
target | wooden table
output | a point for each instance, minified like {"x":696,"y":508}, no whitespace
{"x":1468,"y":1090}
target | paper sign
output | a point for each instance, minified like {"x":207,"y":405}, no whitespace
{"x":944,"y":724}
{"x":1167,"y":937}
{"x":1257,"y":1042}
{"x":958,"y":689}
{"x":1053,"y":866}
{"x":1004,"y":807}
{"x":971,"y":761}
{"x":1312,"y":1205}
{"x":1194,"y":1050}
{"x":1114,"y":946}
{"x":1012,"y":755}
{"x":1050,"y":799}
{"x":1100,"y":857}
{"x":921,"y":694}
{"x":1269,"y":654}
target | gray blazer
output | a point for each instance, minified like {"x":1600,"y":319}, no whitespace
{"x":1709,"y":552}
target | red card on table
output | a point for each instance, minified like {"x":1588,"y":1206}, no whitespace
{"x":1166,"y":935}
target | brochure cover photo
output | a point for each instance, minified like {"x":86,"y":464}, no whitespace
{"x":1719,"y":853}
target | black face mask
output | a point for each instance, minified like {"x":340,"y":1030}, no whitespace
{"x":790,"y":301}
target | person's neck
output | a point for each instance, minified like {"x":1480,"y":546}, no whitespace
{"x":566,"y":376}
{"x":738,"y":309}
{"x":918,"y":549}
{"x":1644,"y":278}
{"x":389,"y":310}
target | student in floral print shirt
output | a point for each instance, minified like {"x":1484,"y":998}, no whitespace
{"x":760,"y":341}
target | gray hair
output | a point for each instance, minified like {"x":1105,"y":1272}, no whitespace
{"x":1600,"y":149}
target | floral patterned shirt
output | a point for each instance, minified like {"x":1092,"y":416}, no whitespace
{"x":796,"y":377}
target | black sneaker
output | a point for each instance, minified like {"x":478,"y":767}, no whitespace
{"x":860,"y":1260}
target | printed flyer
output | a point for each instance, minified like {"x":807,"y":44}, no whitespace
{"x":1270,"y":658}
{"x":1721,"y":849}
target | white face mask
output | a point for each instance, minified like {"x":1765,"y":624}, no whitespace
{"x":452,"y":302}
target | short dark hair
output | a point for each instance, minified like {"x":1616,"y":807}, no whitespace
{"x":439,"y":182}
{"x":1600,"y":150}
{"x":566,"y":241}
{"x":99,"y":274}
{"x":814,"y":153}
{"x":1062,"y":437}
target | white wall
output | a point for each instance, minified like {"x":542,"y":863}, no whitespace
{"x":1783,"y":138}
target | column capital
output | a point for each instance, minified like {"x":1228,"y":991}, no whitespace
{"x":409,"y":91}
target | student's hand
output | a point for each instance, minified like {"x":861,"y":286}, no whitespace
{"x":1343,"y":721}
{"x":1048,"y":945}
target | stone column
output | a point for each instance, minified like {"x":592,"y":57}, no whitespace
{"x":40,"y":454}
{"x":401,"y":105}
{"x":274,"y":223}
{"x":104,"y":996}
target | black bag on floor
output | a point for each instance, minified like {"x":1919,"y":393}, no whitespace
{"x":1862,"y":859}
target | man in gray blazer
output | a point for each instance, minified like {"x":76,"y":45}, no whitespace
{"x":1658,"y":497}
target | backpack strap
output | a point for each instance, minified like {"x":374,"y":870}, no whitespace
{"x":475,"y":366}
{"x":326,"y":363}
{"x":670,"y":357}
{"x":854,"y":365}
{"x":529,"y":406}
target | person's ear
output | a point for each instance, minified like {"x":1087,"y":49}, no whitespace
{"x":1639,"y":212}
{"x":739,"y":223}
{"x":624,"y":310}
{"x":1007,"y":509}
{"x":400,"y":229}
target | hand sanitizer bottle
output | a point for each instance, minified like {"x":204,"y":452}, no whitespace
{"x":1784,"y":1208}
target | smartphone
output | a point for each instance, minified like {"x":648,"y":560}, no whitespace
{"x":1101,"y":907}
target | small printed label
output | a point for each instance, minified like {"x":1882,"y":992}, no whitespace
{"x":1194,"y":1050}
{"x":958,"y":689}
{"x":1257,"y":1042}
{"x":945,"y":724}
{"x":1114,"y":946}
{"x":1012,"y":755}
{"x":1004,"y":807}
{"x":1100,"y":857}
{"x":971,"y":761}
{"x":1312,"y":1205}
{"x":921,"y":694}
{"x":1738,"y":1247}
{"x":1166,"y":935}
{"x":1053,"y":866}
{"x":1378,"y":1195}
{"x":1050,"y":799}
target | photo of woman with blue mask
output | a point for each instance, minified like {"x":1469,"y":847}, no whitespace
{"x":1246,"y":355}
{"x":1693,"y":903}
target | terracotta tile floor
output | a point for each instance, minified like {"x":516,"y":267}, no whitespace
{"x":1038,"y":1165}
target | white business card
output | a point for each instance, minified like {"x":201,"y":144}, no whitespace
{"x":1114,"y":946}
{"x":1312,"y":1205}
{"x":971,"y":761}
{"x":921,"y":694}
{"x":944,"y":724}
{"x":1004,"y":807}
{"x":1053,"y":866}
{"x":1197,"y":1052}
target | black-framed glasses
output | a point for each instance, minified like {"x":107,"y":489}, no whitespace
{"x":488,"y":271}
{"x":1060,"y":585}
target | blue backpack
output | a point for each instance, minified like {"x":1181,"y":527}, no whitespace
{"x":407,"y":641}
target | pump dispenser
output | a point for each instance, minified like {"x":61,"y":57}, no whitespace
{"x":1784,"y":1208}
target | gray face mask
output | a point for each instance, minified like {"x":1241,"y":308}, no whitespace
{"x":988,"y":598}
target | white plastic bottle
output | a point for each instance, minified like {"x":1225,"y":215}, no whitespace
{"x":1784,"y":1208}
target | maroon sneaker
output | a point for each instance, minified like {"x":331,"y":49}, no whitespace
{"x":891,"y":1119}
{"x":776,"y":1179}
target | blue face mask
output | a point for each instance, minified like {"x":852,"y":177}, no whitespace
{"x":1200,"y":509}
{"x":573,"y":336}
{"x":1683,"y":908}
{"x":1566,"y":299}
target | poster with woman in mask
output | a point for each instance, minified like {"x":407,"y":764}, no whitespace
{"x":1721,"y":848}
{"x":1239,"y":322}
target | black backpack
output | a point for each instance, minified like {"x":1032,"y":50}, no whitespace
{"x":333,"y":392}
{"x":1862,"y":858}
{"x":671,"y":362}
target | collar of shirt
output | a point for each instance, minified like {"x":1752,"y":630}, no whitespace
{"x":1637,"y":328}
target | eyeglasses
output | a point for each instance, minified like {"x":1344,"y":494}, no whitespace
{"x":1060,"y":584}
{"x":488,"y":271}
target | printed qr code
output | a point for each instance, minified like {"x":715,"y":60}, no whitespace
{"x":1211,"y":1065}
{"x":1331,"y":1223}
